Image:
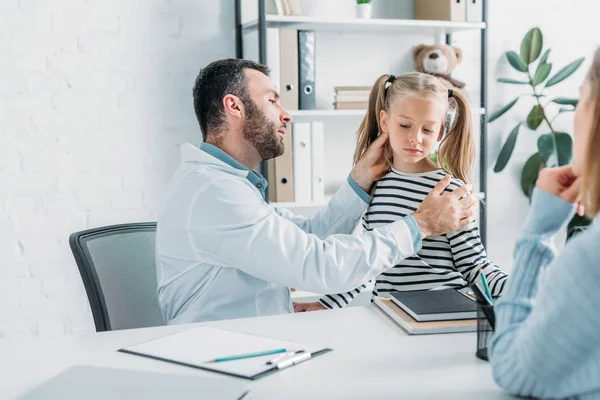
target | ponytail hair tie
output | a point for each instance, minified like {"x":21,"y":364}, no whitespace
{"x":389,"y":81}
{"x":450,"y":93}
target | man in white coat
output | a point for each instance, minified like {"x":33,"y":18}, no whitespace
{"x":223,"y":252}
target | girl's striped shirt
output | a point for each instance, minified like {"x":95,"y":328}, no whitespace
{"x":452,"y":260}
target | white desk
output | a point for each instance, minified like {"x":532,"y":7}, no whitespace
{"x":371,"y":359}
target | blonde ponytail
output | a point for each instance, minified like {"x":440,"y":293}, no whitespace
{"x":457,"y":149}
{"x":369,"y":127}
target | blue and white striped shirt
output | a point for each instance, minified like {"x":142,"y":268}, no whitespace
{"x":452,"y":260}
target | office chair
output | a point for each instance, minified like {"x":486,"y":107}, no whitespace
{"x":118,"y":268}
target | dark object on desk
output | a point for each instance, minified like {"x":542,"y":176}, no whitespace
{"x":96,"y":383}
{"x":118,"y":267}
{"x":486,"y":320}
{"x":435,"y":305}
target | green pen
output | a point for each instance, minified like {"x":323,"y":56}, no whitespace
{"x":488,"y":293}
{"x":248,"y":355}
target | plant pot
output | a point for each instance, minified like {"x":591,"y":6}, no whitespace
{"x":363,"y":11}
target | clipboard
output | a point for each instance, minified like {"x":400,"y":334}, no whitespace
{"x":195,"y":346}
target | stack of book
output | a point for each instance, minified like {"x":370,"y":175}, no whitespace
{"x":426,"y":312}
{"x":352,"y":97}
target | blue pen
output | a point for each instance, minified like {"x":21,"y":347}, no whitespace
{"x":248,"y":355}
{"x":488,"y":293}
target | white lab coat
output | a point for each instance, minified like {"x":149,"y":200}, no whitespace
{"x":223,"y":252}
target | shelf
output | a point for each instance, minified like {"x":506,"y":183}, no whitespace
{"x":368,"y":25}
{"x":301,"y":114}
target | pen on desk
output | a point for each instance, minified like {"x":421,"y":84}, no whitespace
{"x":282,"y":356}
{"x":248,"y":355}
{"x":294,"y":360}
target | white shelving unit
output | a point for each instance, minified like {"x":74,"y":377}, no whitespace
{"x":369,"y":25}
{"x":440,"y":31}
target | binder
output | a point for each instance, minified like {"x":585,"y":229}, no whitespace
{"x":302,"y":162}
{"x":474,"y":10}
{"x":284,"y":170}
{"x":288,"y":68}
{"x":442,"y":10}
{"x":307,"y":70}
{"x":318,"y":162}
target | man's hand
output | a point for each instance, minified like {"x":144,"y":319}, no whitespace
{"x":441,"y":212}
{"x":303,"y":307}
{"x":562,"y":182}
{"x":372,"y":164}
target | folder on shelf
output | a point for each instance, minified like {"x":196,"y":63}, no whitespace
{"x":288,"y":68}
{"x":307,"y":69}
{"x":474,"y":10}
{"x":302,"y":162}
{"x":318,"y":162}
{"x":283,"y":178}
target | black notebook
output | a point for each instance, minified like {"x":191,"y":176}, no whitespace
{"x":435,"y":305}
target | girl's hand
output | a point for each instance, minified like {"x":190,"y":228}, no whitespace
{"x":372,"y":164}
{"x":303,"y":307}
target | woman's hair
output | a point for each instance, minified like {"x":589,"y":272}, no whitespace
{"x":457,"y":150}
{"x":591,"y":167}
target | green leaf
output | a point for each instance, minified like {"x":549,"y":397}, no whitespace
{"x":563,"y":110}
{"x":557,"y":154}
{"x":501,"y":111}
{"x":542,"y":72}
{"x":544,"y":58}
{"x":565,"y":148}
{"x":512,"y":81}
{"x":565,"y":101}
{"x":531,"y":46}
{"x":546,"y":148}
{"x":565,"y":72}
{"x":515,"y":61}
{"x":530,"y":173}
{"x":507,"y":149}
{"x":535,"y":117}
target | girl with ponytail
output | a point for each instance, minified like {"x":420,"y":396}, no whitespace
{"x":413,"y":108}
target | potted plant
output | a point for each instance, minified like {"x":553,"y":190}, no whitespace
{"x":554,"y":148}
{"x":363,"y":9}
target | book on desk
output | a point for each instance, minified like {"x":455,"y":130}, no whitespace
{"x":454,"y":319}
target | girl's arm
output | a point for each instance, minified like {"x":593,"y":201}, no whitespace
{"x":470,"y":256}
{"x":341,"y":300}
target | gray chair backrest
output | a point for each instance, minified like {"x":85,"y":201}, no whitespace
{"x":118,"y":268}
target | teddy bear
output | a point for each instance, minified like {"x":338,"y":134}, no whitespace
{"x":439,"y":61}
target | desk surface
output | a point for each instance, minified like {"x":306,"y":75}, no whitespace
{"x":371,"y":358}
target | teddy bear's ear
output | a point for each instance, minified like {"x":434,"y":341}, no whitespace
{"x":459,"y":54}
{"x":417,"y":51}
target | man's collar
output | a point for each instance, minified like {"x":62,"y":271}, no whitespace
{"x":222,"y":156}
{"x":254,"y":177}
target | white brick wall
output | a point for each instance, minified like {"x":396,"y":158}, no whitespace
{"x":95,"y":97}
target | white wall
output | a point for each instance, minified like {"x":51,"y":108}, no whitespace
{"x":571,"y":30}
{"x":94,"y":98}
